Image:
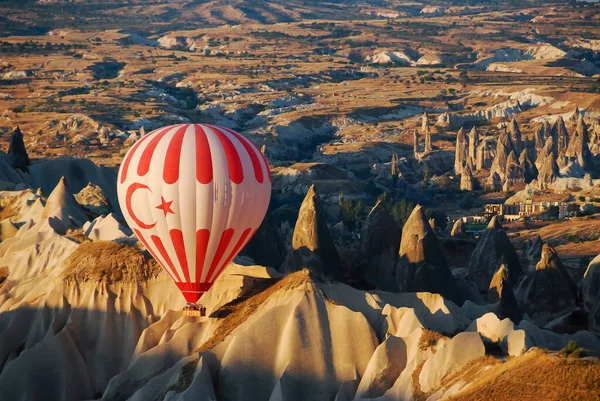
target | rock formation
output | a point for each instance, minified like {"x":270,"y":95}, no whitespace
{"x":582,"y":149}
{"x":473,"y":143}
{"x":416,"y":144}
{"x":461,"y":153}
{"x":543,"y":132}
{"x":427,"y":132}
{"x":106,"y":228}
{"x":546,"y":164}
{"x":424,"y":122}
{"x":569,"y":323}
{"x":534,"y":252}
{"x":381,"y":246}
{"x":484,"y":159}
{"x":549,"y":291}
{"x":432,"y":223}
{"x":104,"y":135}
{"x":422,"y":264}
{"x":530,"y":171}
{"x":132,"y":138}
{"x":501,"y":291}
{"x":266,"y":247}
{"x":312,"y":246}
{"x":578,"y":149}
{"x":576,"y":115}
{"x":549,"y":150}
{"x":515,"y":135}
{"x":503,"y":149}
{"x":590,"y":291}
{"x":529,"y":145}
{"x":514,"y":173}
{"x":62,"y":210}
{"x":451,"y":357}
{"x":17,"y":152}
{"x":395,"y":169}
{"x":495,"y":182}
{"x":493,"y":250}
{"x":467,"y":182}
{"x":561,"y":135}
{"x":458,"y":229}
{"x":72,"y":329}
{"x":92,"y":199}
{"x":499,"y":279}
{"x":443,"y":121}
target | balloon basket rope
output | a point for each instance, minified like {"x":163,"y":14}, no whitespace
{"x":195,"y":313}
{"x":196,"y":310}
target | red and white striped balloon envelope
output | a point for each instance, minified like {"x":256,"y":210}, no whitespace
{"x":194,"y":195}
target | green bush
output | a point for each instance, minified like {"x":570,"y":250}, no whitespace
{"x":553,"y":212}
{"x":466,"y":203}
{"x":572,"y":238}
{"x":572,"y":350}
{"x":349,"y":212}
{"x":384,"y":198}
{"x":441,"y":219}
{"x":401,"y":210}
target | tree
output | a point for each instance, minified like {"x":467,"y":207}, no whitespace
{"x":463,"y":77}
{"x":426,"y":176}
{"x":349,"y":212}
{"x":573,"y":208}
{"x":440,"y":218}
{"x":384,"y":198}
{"x":553,"y":212}
{"x":466,"y":203}
{"x":401,"y":210}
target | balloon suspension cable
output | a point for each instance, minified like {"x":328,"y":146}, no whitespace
{"x":194,"y":309}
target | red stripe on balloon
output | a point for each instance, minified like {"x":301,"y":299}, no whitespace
{"x":165,"y":255}
{"x":251,"y":149}
{"x":173,"y":156}
{"x":202,"y":237}
{"x":193,"y":291}
{"x":241,"y":242}
{"x":204,"y":168}
{"x":152,"y":251}
{"x":129,"y":156}
{"x":221,"y":248}
{"x":178,"y":244}
{"x":128,"y":195}
{"x":234,"y":164}
{"x":146,"y":158}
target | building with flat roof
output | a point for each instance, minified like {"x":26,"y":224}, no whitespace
{"x":515,"y":211}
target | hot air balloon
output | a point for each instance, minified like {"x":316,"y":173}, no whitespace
{"x":194,"y":195}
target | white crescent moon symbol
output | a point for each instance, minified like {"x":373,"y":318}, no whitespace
{"x":130,"y":191}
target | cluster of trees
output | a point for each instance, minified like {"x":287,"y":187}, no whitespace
{"x":31,"y":47}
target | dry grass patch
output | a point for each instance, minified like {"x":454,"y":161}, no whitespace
{"x":470,"y":371}
{"x":109,"y":262}
{"x":7,"y":206}
{"x":7,"y":211}
{"x":418,"y":394}
{"x":78,"y":235}
{"x":3,"y":275}
{"x":533,"y":376}
{"x":430,"y":338}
